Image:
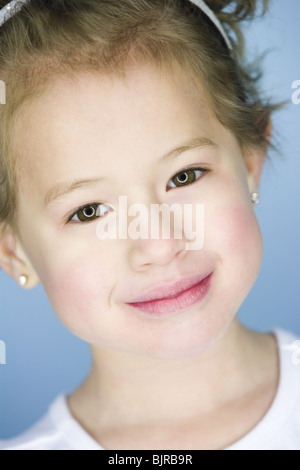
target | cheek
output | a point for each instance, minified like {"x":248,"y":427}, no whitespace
{"x":237,"y":235}
{"x":78,"y":289}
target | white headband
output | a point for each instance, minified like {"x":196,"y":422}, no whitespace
{"x":13,"y":7}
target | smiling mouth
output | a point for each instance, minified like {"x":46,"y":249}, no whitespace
{"x":175,"y":302}
{"x":164,"y":292}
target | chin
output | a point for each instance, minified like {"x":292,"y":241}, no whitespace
{"x":186,"y":342}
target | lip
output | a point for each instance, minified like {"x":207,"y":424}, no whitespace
{"x":170,"y":291}
{"x":176,"y":303}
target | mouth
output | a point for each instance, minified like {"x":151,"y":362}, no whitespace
{"x":180,"y":300}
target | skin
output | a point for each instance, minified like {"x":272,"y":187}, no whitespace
{"x":181,"y":371}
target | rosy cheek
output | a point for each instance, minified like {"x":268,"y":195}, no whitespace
{"x":77,"y":289}
{"x":238,"y":231}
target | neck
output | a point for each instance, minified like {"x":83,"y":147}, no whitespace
{"x":132,"y":390}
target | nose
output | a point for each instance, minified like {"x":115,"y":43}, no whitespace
{"x":155,"y":252}
{"x":159,"y":249}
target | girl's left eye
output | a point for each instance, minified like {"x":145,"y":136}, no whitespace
{"x":187,"y":177}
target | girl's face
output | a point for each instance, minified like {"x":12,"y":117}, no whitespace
{"x":98,"y":127}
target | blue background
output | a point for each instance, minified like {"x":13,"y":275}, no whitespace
{"x":44,"y":359}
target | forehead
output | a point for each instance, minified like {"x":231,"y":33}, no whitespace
{"x":96,"y":118}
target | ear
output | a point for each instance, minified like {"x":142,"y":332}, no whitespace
{"x":13,"y":259}
{"x":255,"y":159}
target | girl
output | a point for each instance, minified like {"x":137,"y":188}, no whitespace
{"x":149,"y":100}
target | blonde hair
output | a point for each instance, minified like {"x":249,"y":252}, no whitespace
{"x":48,"y":39}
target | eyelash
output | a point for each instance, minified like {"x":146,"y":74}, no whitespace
{"x":69,"y":220}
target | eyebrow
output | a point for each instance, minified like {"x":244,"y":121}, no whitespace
{"x":63,"y":189}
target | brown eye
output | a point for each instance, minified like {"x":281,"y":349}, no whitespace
{"x":187,"y":177}
{"x":88,"y":213}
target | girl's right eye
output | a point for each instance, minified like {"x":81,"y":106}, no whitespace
{"x":88,"y":213}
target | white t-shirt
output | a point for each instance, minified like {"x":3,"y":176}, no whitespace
{"x":278,"y":430}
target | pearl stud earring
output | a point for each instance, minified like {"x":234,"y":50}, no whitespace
{"x":23,"y":279}
{"x":255,"y":198}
